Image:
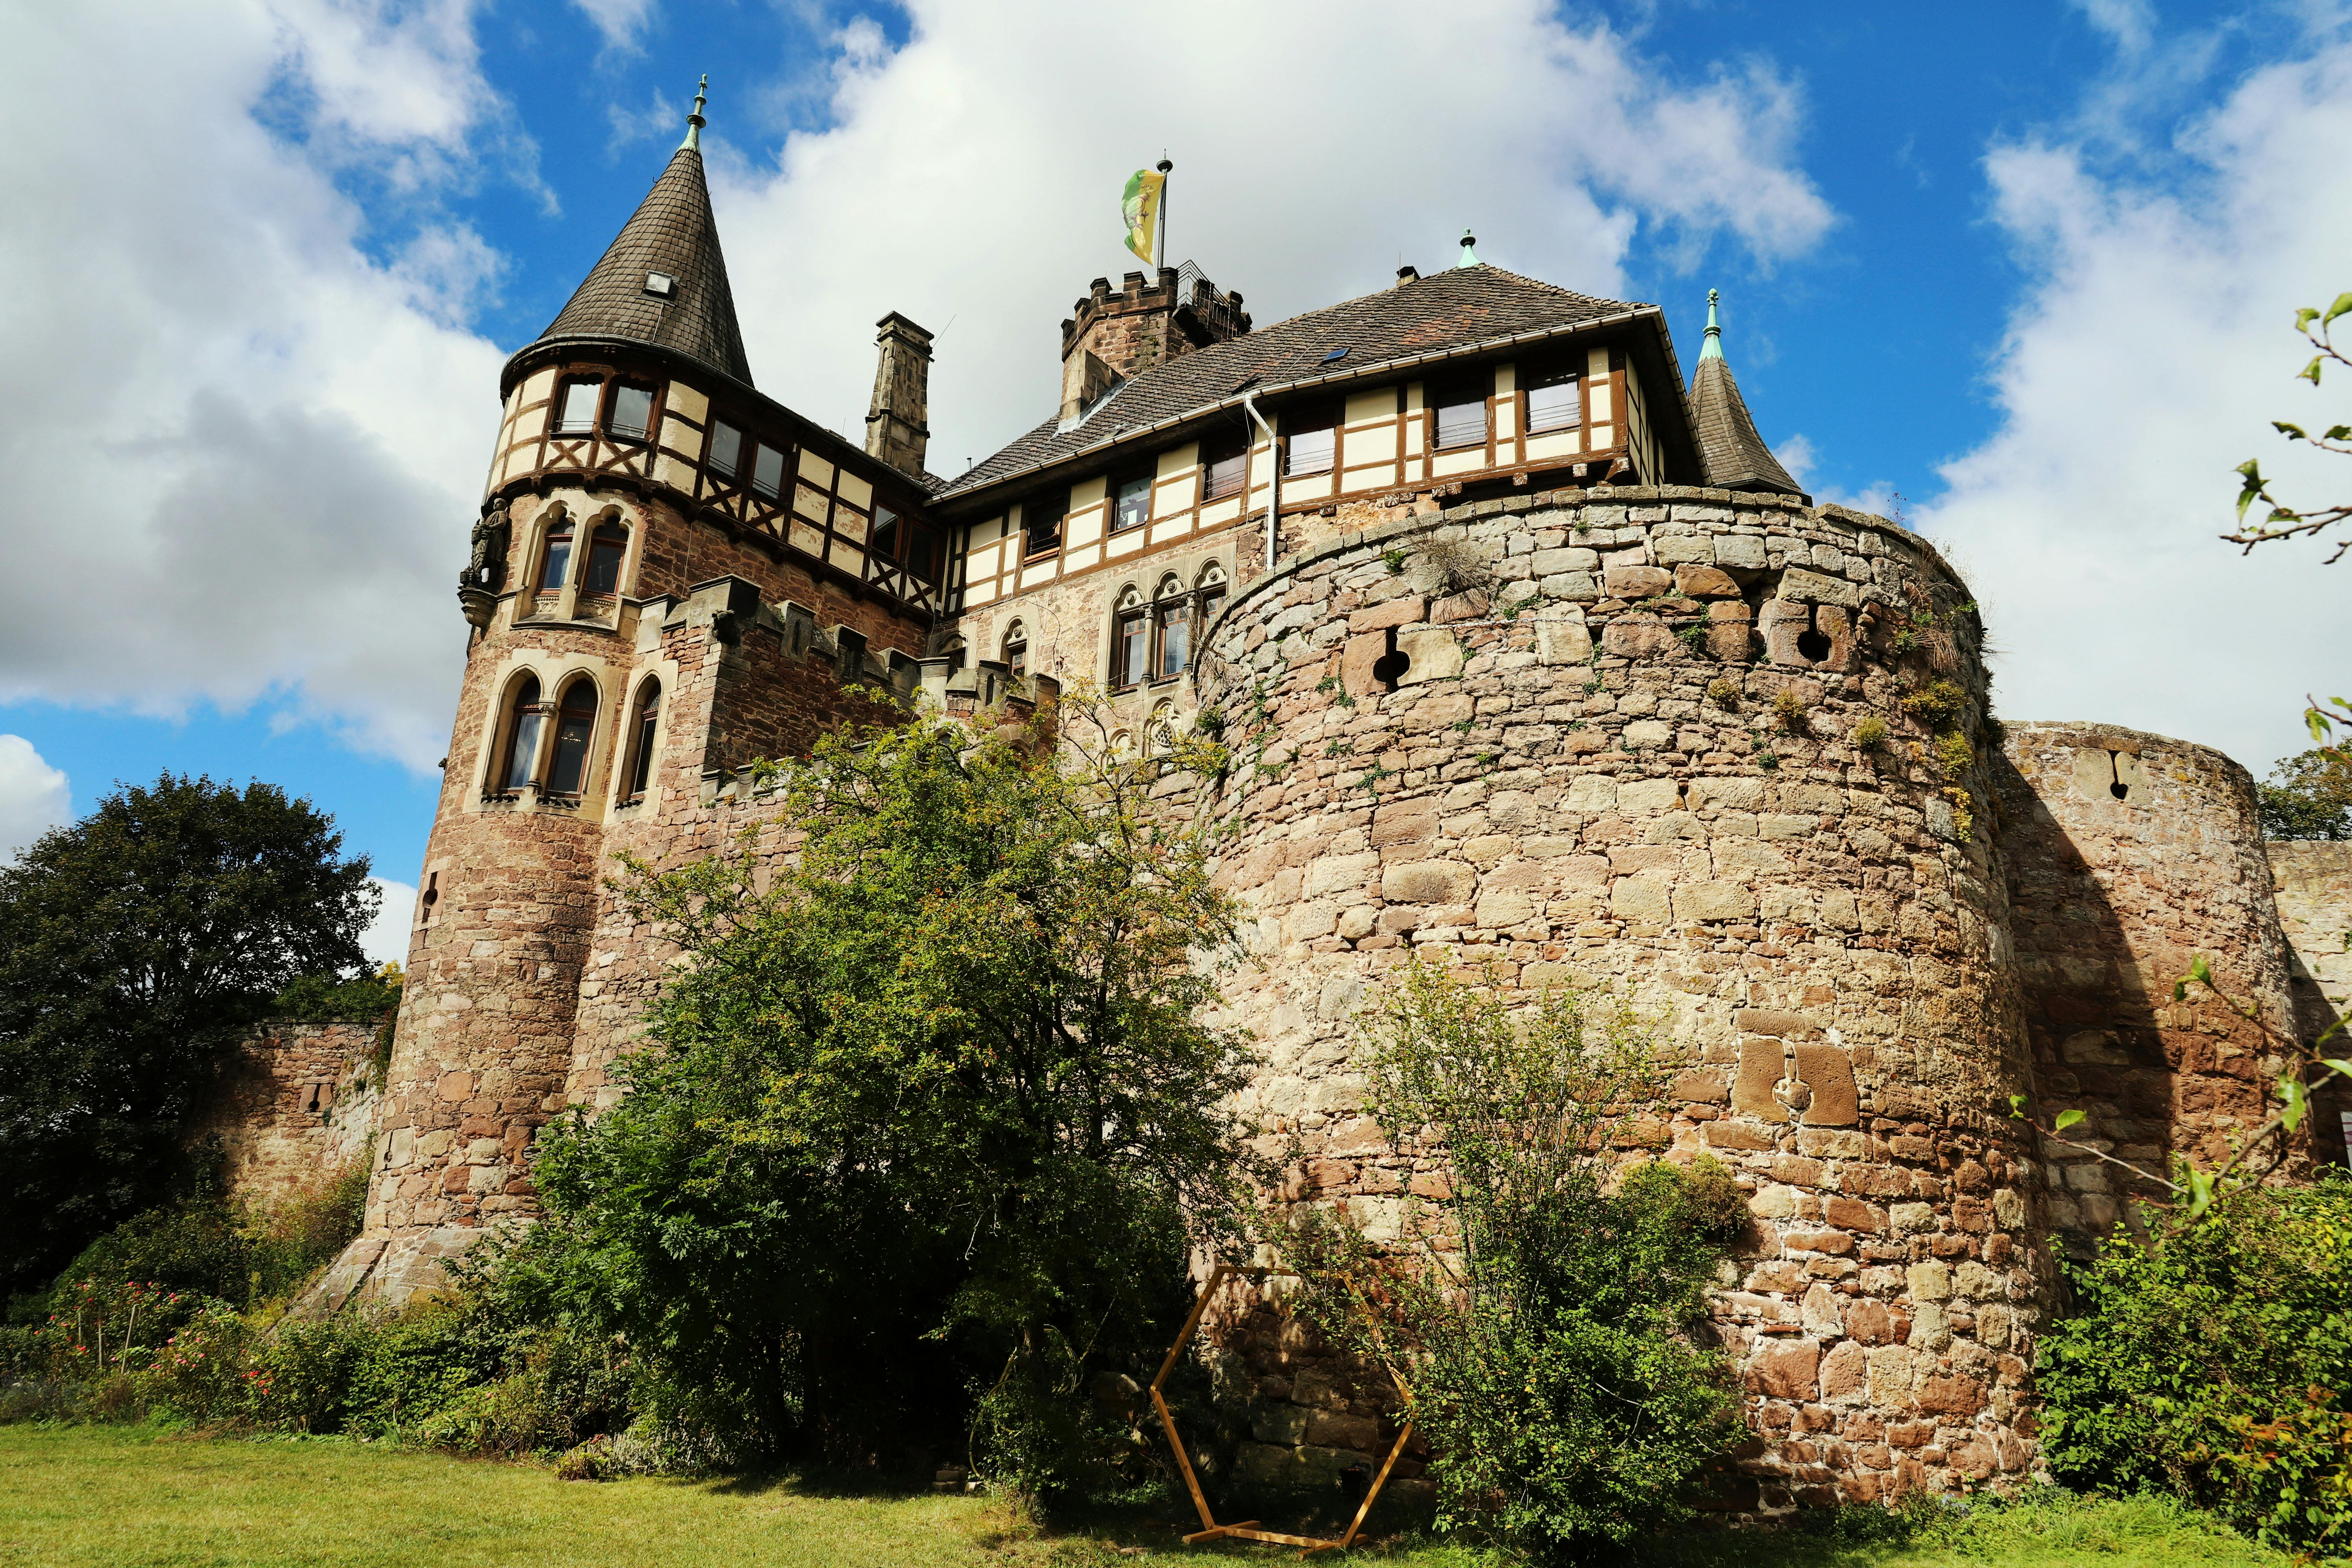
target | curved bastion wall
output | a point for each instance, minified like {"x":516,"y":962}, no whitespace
{"x":1607,"y":739}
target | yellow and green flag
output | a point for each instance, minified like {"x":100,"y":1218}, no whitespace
{"x":1140,"y":207}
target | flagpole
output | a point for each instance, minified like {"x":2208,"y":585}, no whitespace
{"x":1164,"y":166}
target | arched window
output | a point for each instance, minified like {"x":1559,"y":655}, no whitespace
{"x":1130,"y":649}
{"x":641,"y":751}
{"x":557,"y":562}
{"x":1210,"y":590}
{"x":607,"y":548}
{"x":575,"y":721}
{"x":1016,"y":650}
{"x":525,"y":719}
{"x":1172,"y":628}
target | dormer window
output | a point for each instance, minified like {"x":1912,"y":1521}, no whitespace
{"x":1555,"y":400}
{"x":1131,"y":506}
{"x":575,"y":409}
{"x":661,"y":285}
{"x":633,"y":411}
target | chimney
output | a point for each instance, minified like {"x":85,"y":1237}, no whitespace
{"x":1407,"y":275}
{"x":897,"y":425}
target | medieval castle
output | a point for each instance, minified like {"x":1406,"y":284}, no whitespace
{"x":1551,"y":664}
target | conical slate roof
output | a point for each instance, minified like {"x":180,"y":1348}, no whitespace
{"x":1737,"y":457}
{"x":672,"y":233}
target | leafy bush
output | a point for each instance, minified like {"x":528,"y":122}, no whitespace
{"x":1547,"y":1315}
{"x":2214,"y":1361}
{"x":336,"y":998}
{"x":1870,"y":733}
{"x":2308,"y":796}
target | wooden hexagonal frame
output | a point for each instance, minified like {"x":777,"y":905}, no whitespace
{"x":1248,"y":1529}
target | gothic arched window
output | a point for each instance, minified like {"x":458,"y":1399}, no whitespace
{"x":1171,"y":613}
{"x":575,"y":721}
{"x":607,"y":548}
{"x":1210,"y":590}
{"x":641,"y":743}
{"x":555,"y":560}
{"x":1130,"y":649}
{"x":525,"y":719}
{"x":1016,"y":650}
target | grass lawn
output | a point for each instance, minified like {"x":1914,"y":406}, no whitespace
{"x":127,"y":1498}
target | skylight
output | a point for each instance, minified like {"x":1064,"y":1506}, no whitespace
{"x":661,"y":285}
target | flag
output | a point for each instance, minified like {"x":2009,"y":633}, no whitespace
{"x":1140,"y":207}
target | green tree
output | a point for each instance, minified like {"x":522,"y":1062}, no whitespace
{"x":2309,"y":795}
{"x":135,"y":945}
{"x":2282,"y":521}
{"x":1548,"y":1313}
{"x":923,"y":1123}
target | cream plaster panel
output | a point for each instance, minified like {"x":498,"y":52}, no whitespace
{"x":1162,"y":533}
{"x":858,"y":492}
{"x":1601,"y":408}
{"x":1506,"y":419}
{"x":1313,"y":487}
{"x":1081,"y":559}
{"x":689,"y":401}
{"x":1505,"y":380}
{"x":1469,"y":461}
{"x":1380,"y":402}
{"x":815,"y":469}
{"x":1370,"y":479}
{"x":980,"y":593}
{"x":1560,"y":444}
{"x":1222,"y":511}
{"x":1603,"y":438}
{"x":675,"y":474}
{"x":682,"y":437}
{"x":807,"y":539}
{"x":1416,"y":469}
{"x":1177,"y":461}
{"x":1084,"y":527}
{"x":981,"y":563}
{"x":1126,"y":544}
{"x":1173,"y":498}
{"x":1596,"y":361}
{"x":1088,"y":492}
{"x":1378,"y":440}
{"x":1042,"y":573}
{"x":849,"y":558}
{"x":988,"y":529}
{"x":849,"y":524}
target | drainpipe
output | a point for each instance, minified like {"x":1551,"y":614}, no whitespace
{"x":1274,"y":475}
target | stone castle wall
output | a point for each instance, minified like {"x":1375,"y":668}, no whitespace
{"x":2130,"y":855}
{"x":1540,"y":734}
{"x":293,"y":1103}
{"x":2311,"y":884}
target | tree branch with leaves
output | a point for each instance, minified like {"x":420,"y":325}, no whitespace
{"x":2285,"y":522}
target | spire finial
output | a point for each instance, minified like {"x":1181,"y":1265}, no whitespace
{"x":1469,"y":258}
{"x":1712,"y":348}
{"x":694,"y":122}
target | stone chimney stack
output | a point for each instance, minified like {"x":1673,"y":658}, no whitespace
{"x":1128,"y":332}
{"x":897,"y":422}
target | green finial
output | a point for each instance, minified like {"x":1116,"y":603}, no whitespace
{"x":1712,"y":348}
{"x":694,"y":122}
{"x":1469,"y":257}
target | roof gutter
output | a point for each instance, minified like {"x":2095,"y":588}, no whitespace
{"x":1380,"y":368}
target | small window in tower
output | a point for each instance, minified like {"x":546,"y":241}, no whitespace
{"x":1224,"y":465}
{"x":576,"y":720}
{"x":607,"y":548}
{"x":557,"y":564}
{"x":1460,"y":407}
{"x":922,"y":550}
{"x":1131,"y":506}
{"x":726,"y":448}
{"x":633,"y":411}
{"x":885,"y":542}
{"x":1212,"y":589}
{"x":575,"y":411}
{"x":1313,"y":434}
{"x":767,"y":471}
{"x":1174,"y":614}
{"x":525,"y":719}
{"x":641,"y":755}
{"x":1131,"y":646}
{"x":661,"y":285}
{"x":1555,"y":400}
{"x":1016,"y":650}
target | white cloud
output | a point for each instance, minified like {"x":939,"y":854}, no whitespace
{"x":1802,"y":459}
{"x":386,"y":941}
{"x":34,"y":796}
{"x":620,"y":21}
{"x":251,"y":449}
{"x":970,"y":177}
{"x":2145,"y":359}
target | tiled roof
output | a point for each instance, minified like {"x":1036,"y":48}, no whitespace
{"x":1737,"y":457}
{"x":1461,"y":305}
{"x":671,"y":232}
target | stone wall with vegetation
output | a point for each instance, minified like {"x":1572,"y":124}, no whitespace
{"x":293,"y":1104}
{"x":2312,"y":885}
{"x":1720,"y":756}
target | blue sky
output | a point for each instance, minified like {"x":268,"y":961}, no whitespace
{"x":2021,"y":272}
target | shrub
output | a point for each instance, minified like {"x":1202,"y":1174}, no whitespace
{"x":2214,"y":1361}
{"x":1870,"y":733}
{"x":1789,"y":710}
{"x":1546,"y":1317}
{"x":1940,"y":702}
{"x":1723,"y":692}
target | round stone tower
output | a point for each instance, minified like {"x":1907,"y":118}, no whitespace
{"x":1718,"y":755}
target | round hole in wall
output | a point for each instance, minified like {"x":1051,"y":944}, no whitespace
{"x":1390,"y":668}
{"x":1813,"y":646}
{"x":2119,"y":789}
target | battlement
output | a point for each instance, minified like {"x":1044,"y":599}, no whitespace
{"x":1143,"y":323}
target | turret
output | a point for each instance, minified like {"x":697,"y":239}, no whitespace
{"x":1737,"y":456}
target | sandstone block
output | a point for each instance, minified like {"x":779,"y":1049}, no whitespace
{"x":1890,"y":1378}
{"x":1395,"y":612}
{"x":1705,"y":582}
{"x":1715,"y":901}
{"x":1635,"y":582}
{"x":1870,"y":1322}
{"x":1785,"y":1368}
{"x":1428,"y":882}
{"x":1673,"y":549}
{"x":1591,"y":793}
{"x":1636,"y":635}
{"x":1812,"y":587}
{"x":1741,"y":550}
{"x":1355,"y":662}
{"x":1827,"y":1071}
{"x":1909,"y":1219}
{"x":1561,"y":641}
{"x":1760,"y":1062}
{"x":1434,"y":653}
{"x":1573,"y":559}
{"x":1846,"y":1375}
{"x":1928,"y":1281}
{"x":1643,"y":899}
{"x":1947,"y":1395}
{"x":1341,"y":873}
{"x":1648,"y":795}
{"x":1648,"y":735}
